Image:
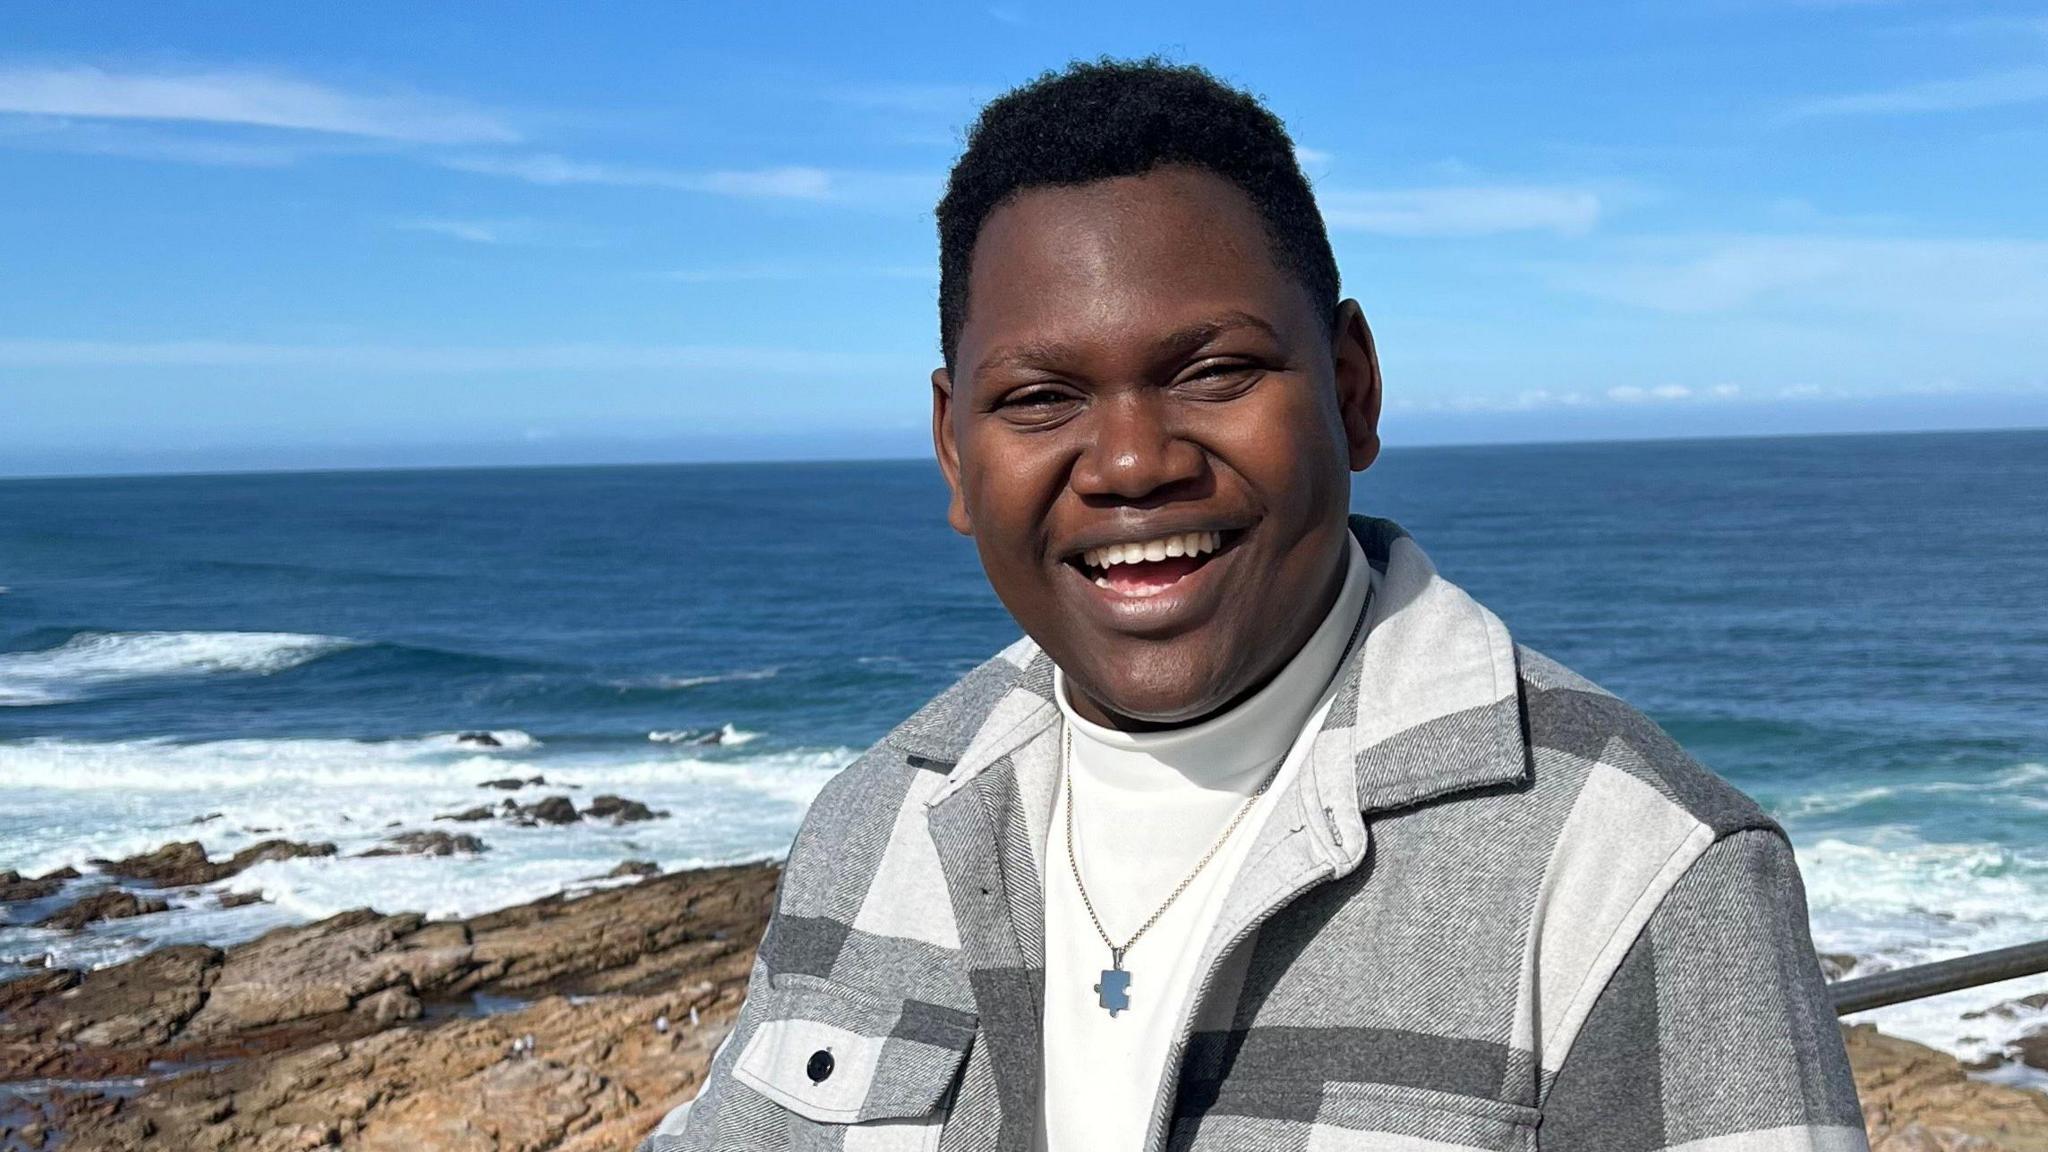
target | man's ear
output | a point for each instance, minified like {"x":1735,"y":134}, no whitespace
{"x":1358,"y":384}
{"x":948,"y":450}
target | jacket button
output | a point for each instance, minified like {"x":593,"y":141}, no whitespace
{"x":819,"y":1067}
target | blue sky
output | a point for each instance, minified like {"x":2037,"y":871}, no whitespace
{"x":267,"y":235}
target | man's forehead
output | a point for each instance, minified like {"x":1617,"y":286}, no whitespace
{"x":1159,"y":259}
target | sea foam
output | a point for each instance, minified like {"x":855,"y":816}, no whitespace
{"x":63,"y":802}
{"x":90,"y":660}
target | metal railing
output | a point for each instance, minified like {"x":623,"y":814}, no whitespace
{"x":1902,"y":984}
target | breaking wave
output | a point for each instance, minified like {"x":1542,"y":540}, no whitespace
{"x":90,"y":660}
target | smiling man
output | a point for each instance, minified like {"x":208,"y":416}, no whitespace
{"x":1267,"y":835}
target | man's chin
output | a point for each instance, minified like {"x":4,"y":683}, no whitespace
{"x":1148,"y":695}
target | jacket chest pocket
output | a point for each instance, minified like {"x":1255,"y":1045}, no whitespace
{"x":854,"y":1070}
{"x":1349,"y":1116}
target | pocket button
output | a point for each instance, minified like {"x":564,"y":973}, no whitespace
{"x":819,"y":1066}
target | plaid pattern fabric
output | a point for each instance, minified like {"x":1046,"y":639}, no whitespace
{"x":1498,"y":909}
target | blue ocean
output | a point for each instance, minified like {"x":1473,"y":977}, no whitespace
{"x":1852,"y":629}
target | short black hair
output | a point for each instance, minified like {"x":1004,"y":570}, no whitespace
{"x":1107,"y":118}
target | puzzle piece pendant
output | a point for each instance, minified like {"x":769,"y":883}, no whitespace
{"x":1114,"y":992}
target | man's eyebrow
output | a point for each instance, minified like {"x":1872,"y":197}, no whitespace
{"x":1048,"y":356}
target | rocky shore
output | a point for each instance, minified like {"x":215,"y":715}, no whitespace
{"x":570,"y":1023}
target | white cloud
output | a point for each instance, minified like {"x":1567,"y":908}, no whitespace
{"x":780,"y":183}
{"x":1990,"y":90}
{"x":256,"y":99}
{"x":1955,"y":284}
{"x":1478,"y":210}
{"x":474,"y":231}
{"x":436,"y":360}
{"x":93,"y":138}
{"x":793,"y":182}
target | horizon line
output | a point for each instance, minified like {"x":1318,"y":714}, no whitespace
{"x":855,"y":459}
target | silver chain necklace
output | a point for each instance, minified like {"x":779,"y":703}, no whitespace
{"x":1113,"y":990}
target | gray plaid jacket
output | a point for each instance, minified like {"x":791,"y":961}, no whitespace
{"x":1497,"y":909}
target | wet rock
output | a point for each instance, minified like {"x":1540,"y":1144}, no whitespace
{"x":239,"y":899}
{"x":434,"y":843}
{"x":553,"y":810}
{"x":15,"y":887}
{"x":2012,"y":1009}
{"x":634,"y":868}
{"x":184,"y":863}
{"x":31,"y":988}
{"x":510,"y":783}
{"x":106,"y":904}
{"x":1835,"y":965}
{"x":108,"y":1022}
{"x":205,"y":818}
{"x":2032,"y":1049}
{"x":479,"y":739}
{"x":480,"y":812}
{"x":619,"y":810}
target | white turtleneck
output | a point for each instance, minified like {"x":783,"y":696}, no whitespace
{"x":1147,"y":805}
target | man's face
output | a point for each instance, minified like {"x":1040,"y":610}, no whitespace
{"x":1137,"y":374}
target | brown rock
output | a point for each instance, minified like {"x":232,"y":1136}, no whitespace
{"x":238,"y":899}
{"x":31,"y":988}
{"x":634,"y":868}
{"x":304,"y":973}
{"x":2012,"y":1009}
{"x":185,"y":863}
{"x":338,"y":1042}
{"x":106,"y":904}
{"x":1835,"y":965}
{"x":618,"y":809}
{"x":112,"y":1021}
{"x":389,"y":1005}
{"x":434,"y":843}
{"x":2032,"y":1049}
{"x":1917,"y":1098}
{"x":480,"y":812}
{"x":553,"y":810}
{"x":16,"y":887}
{"x":177,"y":863}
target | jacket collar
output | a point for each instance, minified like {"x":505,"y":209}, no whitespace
{"x":1430,"y":705}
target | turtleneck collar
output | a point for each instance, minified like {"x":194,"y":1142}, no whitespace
{"x":1230,"y":751}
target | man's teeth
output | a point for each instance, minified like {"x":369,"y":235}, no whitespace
{"x":1182,"y":544}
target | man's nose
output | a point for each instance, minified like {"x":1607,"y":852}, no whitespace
{"x":1135,"y":451}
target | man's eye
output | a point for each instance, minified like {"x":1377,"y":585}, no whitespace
{"x":1036,"y":402}
{"x":1223,"y":378}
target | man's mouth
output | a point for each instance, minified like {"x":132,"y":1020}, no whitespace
{"x":1141,"y":568}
